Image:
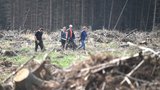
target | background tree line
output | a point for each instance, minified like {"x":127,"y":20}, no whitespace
{"x":99,"y":14}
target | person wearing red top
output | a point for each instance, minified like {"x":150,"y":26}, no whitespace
{"x":70,"y":38}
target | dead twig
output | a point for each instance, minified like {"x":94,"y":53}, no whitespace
{"x":143,"y":48}
{"x":129,"y":34}
{"x":130,"y":73}
{"x":22,"y":66}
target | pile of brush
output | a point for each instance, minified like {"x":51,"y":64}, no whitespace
{"x":99,"y":72}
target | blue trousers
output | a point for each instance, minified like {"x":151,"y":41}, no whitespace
{"x":82,"y":44}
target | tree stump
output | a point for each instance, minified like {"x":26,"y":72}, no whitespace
{"x":26,"y":80}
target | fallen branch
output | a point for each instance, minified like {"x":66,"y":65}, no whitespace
{"x":130,"y":73}
{"x":129,"y":34}
{"x":143,"y":48}
{"x":22,"y":66}
{"x":103,"y":86}
{"x":111,"y":63}
{"x":24,"y":79}
{"x":133,"y":78}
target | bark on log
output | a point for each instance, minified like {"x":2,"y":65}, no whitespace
{"x":22,"y":66}
{"x":26,"y":80}
{"x":41,"y":71}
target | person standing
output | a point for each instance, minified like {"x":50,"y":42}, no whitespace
{"x":70,"y":38}
{"x":83,"y":38}
{"x":63,"y":37}
{"x":38,"y":39}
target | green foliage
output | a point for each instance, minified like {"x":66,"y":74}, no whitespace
{"x":62,"y":60}
{"x":39,"y":55}
{"x":19,"y":59}
{"x":25,"y":49}
{"x":15,"y":59}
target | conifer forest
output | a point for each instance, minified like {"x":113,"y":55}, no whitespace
{"x":79,"y":44}
{"x":99,"y":14}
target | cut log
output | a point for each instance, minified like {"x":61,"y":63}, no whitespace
{"x":41,"y":71}
{"x":22,"y":66}
{"x":30,"y":64}
{"x":21,"y":75}
{"x":25,"y":80}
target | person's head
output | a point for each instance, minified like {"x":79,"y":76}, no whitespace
{"x":84,"y":28}
{"x":40,"y":29}
{"x":70,"y":26}
{"x":64,"y":28}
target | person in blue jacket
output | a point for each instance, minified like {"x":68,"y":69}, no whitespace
{"x":83,"y":37}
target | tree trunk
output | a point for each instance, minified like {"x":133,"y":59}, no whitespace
{"x":154,"y":15}
{"x":50,"y":28}
{"x":110,"y":16}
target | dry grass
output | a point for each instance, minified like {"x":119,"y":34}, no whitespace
{"x":64,"y":59}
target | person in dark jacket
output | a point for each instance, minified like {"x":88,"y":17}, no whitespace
{"x":70,"y":38}
{"x":38,"y":39}
{"x":83,"y":37}
{"x":63,"y":37}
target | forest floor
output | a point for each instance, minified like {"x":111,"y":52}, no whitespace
{"x":18,"y":47}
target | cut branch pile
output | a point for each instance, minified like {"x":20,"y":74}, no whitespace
{"x":100,"y":72}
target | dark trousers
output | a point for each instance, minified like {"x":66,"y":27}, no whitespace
{"x":40,"y":43}
{"x":71,"y":44}
{"x":63,"y":42}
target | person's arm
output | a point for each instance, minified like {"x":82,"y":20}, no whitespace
{"x":66,"y":35}
{"x":81,"y":36}
{"x":86,"y":34}
{"x":35,"y":37}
